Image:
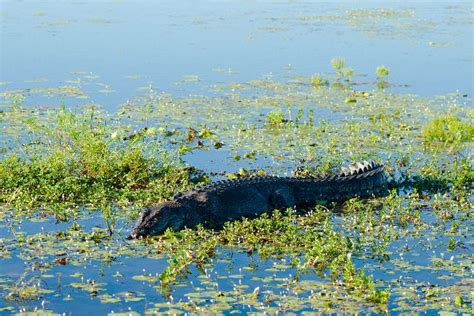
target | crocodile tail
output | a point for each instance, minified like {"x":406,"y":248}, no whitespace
{"x":364,"y":178}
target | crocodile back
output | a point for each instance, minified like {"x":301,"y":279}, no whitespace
{"x":361,"y":179}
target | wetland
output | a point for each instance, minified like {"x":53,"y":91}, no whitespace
{"x":106,"y":107}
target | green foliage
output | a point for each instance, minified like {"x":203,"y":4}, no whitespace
{"x":381,"y":71}
{"x":276,"y":119}
{"x":350,"y":100}
{"x":338,"y":64}
{"x":186,"y":248}
{"x":360,"y":283}
{"x":66,"y":160}
{"x":458,"y":301}
{"x":455,"y":176}
{"x":277,"y":235}
{"x":81,"y":165}
{"x":347,"y":72}
{"x":16,"y":101}
{"x":448,"y":130}
{"x":319,"y":81}
{"x":308,"y":236}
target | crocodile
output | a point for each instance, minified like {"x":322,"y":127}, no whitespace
{"x":214,"y":204}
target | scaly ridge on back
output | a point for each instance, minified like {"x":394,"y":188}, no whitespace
{"x":357,"y":170}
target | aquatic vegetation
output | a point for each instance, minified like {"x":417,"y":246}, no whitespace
{"x":276,"y":119}
{"x":67,"y":90}
{"x":318,"y":246}
{"x":339,"y":65}
{"x":363,"y":255}
{"x":448,"y":130}
{"x":319,"y":81}
{"x":382,"y":72}
{"x":164,"y":131}
{"x":77,"y":163}
{"x":16,"y":101}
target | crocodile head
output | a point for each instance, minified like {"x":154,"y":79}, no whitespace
{"x":154,"y":220}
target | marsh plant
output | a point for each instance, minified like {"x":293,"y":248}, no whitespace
{"x":317,"y":81}
{"x":78,"y":163}
{"x":276,"y":119}
{"x":448,"y":130}
{"x":382,"y":72}
{"x":16,"y":101}
{"x":381,"y":81}
{"x":281,"y":234}
{"x":363,"y":255}
{"x":343,"y":72}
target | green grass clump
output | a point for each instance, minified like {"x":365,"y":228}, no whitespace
{"x":382,"y":72}
{"x":448,"y":130}
{"x":319,"y":81}
{"x":79,"y":164}
{"x":338,"y":64}
{"x":456,"y":176}
{"x":91,"y":178}
{"x":276,"y":119}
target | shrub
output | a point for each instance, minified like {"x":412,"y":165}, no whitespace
{"x":79,"y":164}
{"x":449,"y":130}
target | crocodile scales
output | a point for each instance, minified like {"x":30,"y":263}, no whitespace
{"x":214,"y":204}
